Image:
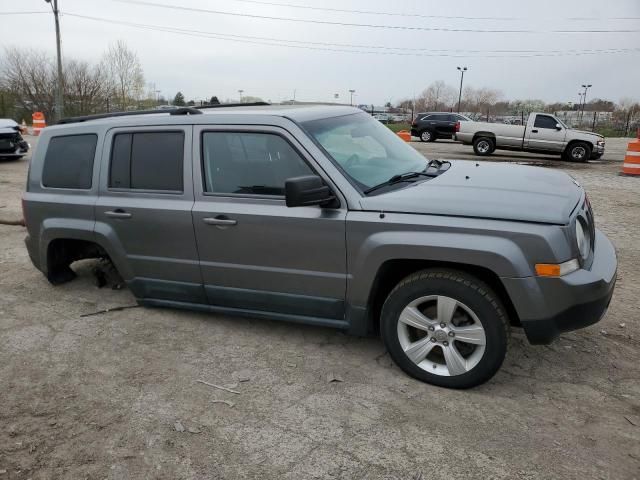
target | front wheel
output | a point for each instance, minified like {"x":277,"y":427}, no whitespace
{"x":446,"y":328}
{"x":578,"y":152}
{"x":483,"y":146}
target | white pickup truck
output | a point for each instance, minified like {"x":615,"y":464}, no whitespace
{"x":543,"y":133}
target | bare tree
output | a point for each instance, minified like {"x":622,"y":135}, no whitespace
{"x":437,"y":96}
{"x":626,"y":113}
{"x":125,"y":72}
{"x":29,"y":76}
{"x":86,"y":87}
{"x":480,"y":100}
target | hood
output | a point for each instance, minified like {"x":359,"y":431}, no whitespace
{"x":487,"y":190}
{"x":585,"y":132}
{"x":11,"y":130}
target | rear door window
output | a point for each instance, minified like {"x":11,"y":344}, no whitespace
{"x":68,"y":162}
{"x":147,"y":161}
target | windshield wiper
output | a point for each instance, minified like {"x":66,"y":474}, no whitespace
{"x":402,"y":177}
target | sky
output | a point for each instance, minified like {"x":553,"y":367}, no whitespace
{"x":553,"y":46}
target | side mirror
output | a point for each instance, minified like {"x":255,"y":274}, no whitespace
{"x":307,"y":191}
{"x":558,"y":126}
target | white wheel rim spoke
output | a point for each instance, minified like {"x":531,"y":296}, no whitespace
{"x":446,"y":307}
{"x":473,"y":334}
{"x":412,"y":316}
{"x":456,"y":364}
{"x":419,"y":350}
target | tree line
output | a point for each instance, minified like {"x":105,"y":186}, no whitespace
{"x":439,"y":96}
{"x":28,"y":79}
{"x":116,"y":82}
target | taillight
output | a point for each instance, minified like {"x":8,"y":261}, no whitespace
{"x":457,"y":126}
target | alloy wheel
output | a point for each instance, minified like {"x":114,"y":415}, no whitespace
{"x":483,"y":146}
{"x":441,"y":335}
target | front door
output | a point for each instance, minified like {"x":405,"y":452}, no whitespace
{"x":256,"y":254}
{"x":546,"y":134}
{"x":144,"y":211}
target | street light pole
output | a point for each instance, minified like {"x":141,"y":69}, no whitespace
{"x":351,"y":101}
{"x":240,"y":92}
{"x":462,"y":70}
{"x":584,"y":99}
{"x":59,"y":110}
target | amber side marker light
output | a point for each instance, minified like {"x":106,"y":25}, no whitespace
{"x":556,"y":269}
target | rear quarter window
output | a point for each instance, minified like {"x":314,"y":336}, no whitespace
{"x":68,"y":162}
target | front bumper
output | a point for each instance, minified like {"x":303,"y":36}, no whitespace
{"x":598,"y":149}
{"x":549,"y":306}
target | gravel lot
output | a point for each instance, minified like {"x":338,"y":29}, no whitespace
{"x":115,"y":396}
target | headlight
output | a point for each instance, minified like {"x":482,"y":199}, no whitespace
{"x":582,"y":238}
{"x":601,"y":143}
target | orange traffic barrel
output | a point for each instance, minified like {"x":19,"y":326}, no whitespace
{"x":405,"y":135}
{"x":38,"y":122}
{"x":631,"y":165}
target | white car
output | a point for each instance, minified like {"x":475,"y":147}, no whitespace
{"x":12,"y":145}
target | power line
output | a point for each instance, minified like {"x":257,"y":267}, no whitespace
{"x":365,"y":25}
{"x":324,"y":46}
{"x":413,"y":15}
{"x":20,"y":13}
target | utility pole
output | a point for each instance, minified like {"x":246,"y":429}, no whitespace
{"x":59,"y":110}
{"x":462,"y":70}
{"x":351,"y":92}
{"x":240,"y":92}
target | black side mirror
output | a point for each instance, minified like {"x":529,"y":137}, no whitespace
{"x":307,"y":191}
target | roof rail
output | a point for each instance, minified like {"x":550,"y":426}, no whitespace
{"x":170,"y":111}
{"x":224,"y":105}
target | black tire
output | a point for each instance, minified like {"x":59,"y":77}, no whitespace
{"x":578,"y":152}
{"x":484,"y":146}
{"x":427,"y":136}
{"x":470,"y":293}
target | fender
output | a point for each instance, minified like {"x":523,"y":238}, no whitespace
{"x":78,"y":229}
{"x":501,"y":255}
{"x":56,"y":228}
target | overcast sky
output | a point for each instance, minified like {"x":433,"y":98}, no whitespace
{"x":201,"y":67}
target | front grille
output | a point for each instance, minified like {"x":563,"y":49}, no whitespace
{"x":8,"y":144}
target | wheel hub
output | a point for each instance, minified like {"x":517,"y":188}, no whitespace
{"x":440,"y":335}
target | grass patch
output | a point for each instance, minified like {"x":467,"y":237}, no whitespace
{"x":396,"y":127}
{"x":611,"y":132}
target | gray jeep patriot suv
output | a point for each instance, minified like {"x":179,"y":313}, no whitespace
{"x":321,"y":215}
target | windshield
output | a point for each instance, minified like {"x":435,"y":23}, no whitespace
{"x":367,"y":151}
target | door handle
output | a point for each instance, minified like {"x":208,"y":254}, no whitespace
{"x":534,"y":131}
{"x":118,"y":213}
{"x":220,"y":220}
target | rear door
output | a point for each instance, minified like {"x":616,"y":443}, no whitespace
{"x":544,"y":135}
{"x":144,"y":210}
{"x":257,"y":254}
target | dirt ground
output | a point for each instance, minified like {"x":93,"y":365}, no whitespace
{"x":115,"y":395}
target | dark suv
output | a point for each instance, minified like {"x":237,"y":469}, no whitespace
{"x":430,"y":126}
{"x":322,"y":215}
